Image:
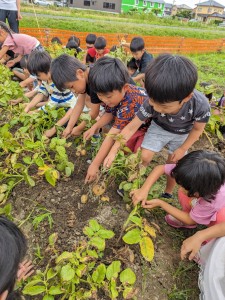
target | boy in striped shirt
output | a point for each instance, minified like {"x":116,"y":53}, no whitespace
{"x":48,"y":95}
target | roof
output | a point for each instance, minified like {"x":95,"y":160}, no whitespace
{"x":158,"y":1}
{"x":211,"y":3}
{"x":168,"y":5}
{"x":184,"y":6}
{"x":222,"y":16}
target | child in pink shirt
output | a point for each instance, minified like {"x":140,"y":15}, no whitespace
{"x":20,"y":44}
{"x":201,"y":177}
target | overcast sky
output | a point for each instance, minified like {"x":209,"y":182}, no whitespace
{"x":192,"y":3}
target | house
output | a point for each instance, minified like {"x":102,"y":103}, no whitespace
{"x":178,"y":8}
{"x":118,"y":6}
{"x":216,"y":16}
{"x":205,"y":9}
{"x":168,"y":9}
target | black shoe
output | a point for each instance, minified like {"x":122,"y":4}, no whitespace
{"x":166,"y":196}
{"x":120,"y":192}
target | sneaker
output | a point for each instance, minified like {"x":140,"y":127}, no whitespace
{"x":166,"y":196}
{"x":120,"y":192}
{"x":170,"y":220}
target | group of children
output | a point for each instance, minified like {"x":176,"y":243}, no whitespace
{"x":167,"y":112}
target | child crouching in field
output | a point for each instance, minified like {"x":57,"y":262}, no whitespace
{"x":109,"y":79}
{"x":48,"y":94}
{"x":201,"y":177}
{"x":179,"y":113}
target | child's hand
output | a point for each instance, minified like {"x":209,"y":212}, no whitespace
{"x":191,"y":245}
{"x":25,"y":270}
{"x":152,"y":203}
{"x":66,"y":133}
{"x":177,"y":154}
{"x":109,"y":159}
{"x":49,"y":133}
{"x":76,"y":131}
{"x":15,"y":101}
{"x":10,"y":64}
{"x":89,"y":133}
{"x":138,"y":196}
{"x":27,"y":109}
{"x":91,"y":173}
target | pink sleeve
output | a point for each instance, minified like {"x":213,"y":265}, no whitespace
{"x":169,"y":168}
{"x":203,"y":212}
{"x":8,"y":41}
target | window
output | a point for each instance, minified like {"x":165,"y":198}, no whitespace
{"x":151,"y":4}
{"x":136,"y":2}
{"x":144,"y":2}
{"x":199,"y":9}
{"x":159,"y":5}
{"x":109,"y":5}
{"x":71,"y":1}
{"x":87,"y":3}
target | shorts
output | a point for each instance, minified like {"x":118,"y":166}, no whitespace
{"x":156,"y":138}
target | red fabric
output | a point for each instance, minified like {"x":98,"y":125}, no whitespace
{"x":134,"y":143}
{"x":97,"y":56}
{"x":92,"y":52}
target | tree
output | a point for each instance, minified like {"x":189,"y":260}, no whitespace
{"x":185,"y":14}
{"x":156,"y":11}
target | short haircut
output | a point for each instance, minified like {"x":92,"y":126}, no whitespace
{"x":10,"y":53}
{"x":131,"y":64}
{"x":56,"y":40}
{"x":63,"y":70}
{"x":12,"y":251}
{"x":108,"y":74}
{"x":75,"y":39}
{"x":39,"y":61}
{"x":201,"y":172}
{"x":23,"y":61}
{"x":91,"y":38}
{"x":100,"y":43}
{"x":72,"y":45}
{"x":170,"y":78}
{"x":137,"y":44}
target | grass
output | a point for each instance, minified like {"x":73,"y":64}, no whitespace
{"x":142,"y":24}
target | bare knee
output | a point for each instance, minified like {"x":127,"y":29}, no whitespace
{"x":146,"y":156}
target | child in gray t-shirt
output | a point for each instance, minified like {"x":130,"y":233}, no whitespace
{"x":179,"y":113}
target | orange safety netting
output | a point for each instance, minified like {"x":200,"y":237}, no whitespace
{"x":154,"y":44}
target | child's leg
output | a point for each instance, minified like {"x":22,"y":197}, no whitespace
{"x":146,"y":156}
{"x":170,"y":182}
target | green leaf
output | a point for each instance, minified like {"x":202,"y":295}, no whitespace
{"x":55,"y":290}
{"x":68,"y":171}
{"x":33,"y":282}
{"x":132,"y":237}
{"x":92,"y":253}
{"x":50,"y":178}
{"x":98,"y":275}
{"x":97,"y":242}
{"x":113,"y":270}
{"x":67,"y":273}
{"x":94,"y":225}
{"x":39,"y":161}
{"x":51,"y":273}
{"x":29,"y":180}
{"x":34,"y":290}
{"x":127,"y":186}
{"x":81,"y":269}
{"x":53,"y":238}
{"x":113,"y":289}
{"x":105,"y":234}
{"x":27,"y":160}
{"x":127,"y":276}
{"x":88,"y":231}
{"x":64,"y":256}
{"x":48,"y":297}
{"x":147,"y":248}
{"x":136,"y":220}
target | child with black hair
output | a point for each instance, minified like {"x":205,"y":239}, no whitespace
{"x":39,"y":65}
{"x":20,"y":44}
{"x":99,"y":49}
{"x":201,"y":177}
{"x":179,"y":113}
{"x":141,"y":57}
{"x":109,"y":79}
{"x":132,"y":68}
{"x":90,"y":40}
{"x":72,"y":44}
{"x":12,"y":251}
{"x":56,"y":40}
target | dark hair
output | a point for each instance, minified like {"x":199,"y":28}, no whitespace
{"x":63,"y":70}
{"x":39,"y":61}
{"x":108,"y":74}
{"x":201,"y":172}
{"x":137,"y":44}
{"x":170,"y":78}
{"x":75,"y":39}
{"x":23,"y":61}
{"x":6,"y":28}
{"x":91,"y":38}
{"x":113,"y":48}
{"x":131,"y":64}
{"x":72,"y":45}
{"x":56,"y":40}
{"x":10,"y":53}
{"x":100,"y":43}
{"x":12,"y":250}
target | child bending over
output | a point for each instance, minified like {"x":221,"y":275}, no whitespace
{"x":39,"y":65}
{"x":109,"y":79}
{"x":99,"y":49}
{"x":19,"y":43}
{"x":201,"y":177}
{"x":179,"y":113}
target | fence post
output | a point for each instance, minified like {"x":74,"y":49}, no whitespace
{"x":221,"y":46}
{"x":180,"y":45}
